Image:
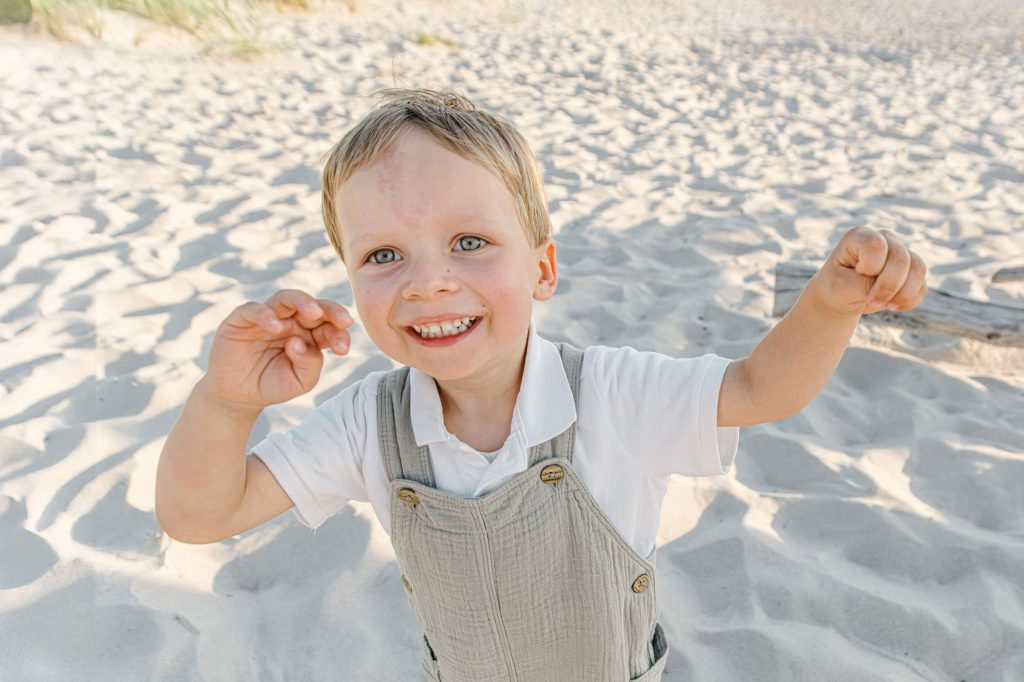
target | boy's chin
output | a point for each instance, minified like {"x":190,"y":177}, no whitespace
{"x":450,"y":369}
{"x":443,"y":371}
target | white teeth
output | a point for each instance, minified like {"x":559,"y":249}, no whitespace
{"x":446,"y":328}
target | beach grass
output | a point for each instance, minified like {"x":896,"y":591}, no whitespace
{"x":231,"y":24}
{"x":421,"y":38}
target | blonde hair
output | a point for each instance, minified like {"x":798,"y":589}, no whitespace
{"x":458,"y":125}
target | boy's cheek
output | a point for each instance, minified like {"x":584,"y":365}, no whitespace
{"x":366,"y":314}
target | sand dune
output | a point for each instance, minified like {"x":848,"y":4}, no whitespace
{"x":687,"y":148}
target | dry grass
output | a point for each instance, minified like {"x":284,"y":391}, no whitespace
{"x":232,"y":26}
{"x":421,"y":38}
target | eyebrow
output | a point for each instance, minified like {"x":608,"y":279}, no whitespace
{"x":458,"y":220}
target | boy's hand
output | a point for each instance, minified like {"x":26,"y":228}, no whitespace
{"x":255,"y":363}
{"x":870,"y":270}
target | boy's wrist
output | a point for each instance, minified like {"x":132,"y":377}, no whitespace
{"x":227,"y":408}
{"x":820,"y":305}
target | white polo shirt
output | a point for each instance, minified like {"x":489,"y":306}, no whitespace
{"x":642,"y":416}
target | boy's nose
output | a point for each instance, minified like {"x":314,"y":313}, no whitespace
{"x":429,"y":278}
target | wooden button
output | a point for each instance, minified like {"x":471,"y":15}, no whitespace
{"x":409,"y":496}
{"x":405,"y":583}
{"x":552,"y":473}
{"x":641,"y":583}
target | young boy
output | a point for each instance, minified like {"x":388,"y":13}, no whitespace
{"x":520,"y":480}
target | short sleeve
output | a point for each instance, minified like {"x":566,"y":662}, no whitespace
{"x":319,"y":462}
{"x":664,"y":410}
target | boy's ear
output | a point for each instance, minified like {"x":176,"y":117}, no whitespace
{"x":547,"y":282}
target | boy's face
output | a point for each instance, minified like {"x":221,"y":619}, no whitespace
{"x":429,"y":236}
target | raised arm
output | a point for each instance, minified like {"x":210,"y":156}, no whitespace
{"x":868,"y":271}
{"x":262,"y":354}
{"x":206,"y":487}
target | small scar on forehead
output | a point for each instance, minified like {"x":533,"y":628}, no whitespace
{"x":387,"y":180}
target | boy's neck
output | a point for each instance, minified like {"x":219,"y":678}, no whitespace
{"x":478,"y":409}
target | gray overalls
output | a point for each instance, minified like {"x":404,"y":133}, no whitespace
{"x":529,"y":582}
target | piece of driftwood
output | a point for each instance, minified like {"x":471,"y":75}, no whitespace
{"x":940,"y":312}
{"x":1008,"y":275}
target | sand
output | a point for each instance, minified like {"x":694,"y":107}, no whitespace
{"x":687,"y":148}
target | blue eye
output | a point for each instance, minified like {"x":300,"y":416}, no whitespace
{"x":472,"y":240}
{"x":394,"y":257}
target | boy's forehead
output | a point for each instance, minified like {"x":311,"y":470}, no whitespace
{"x":418,"y":182}
{"x":417,"y":168}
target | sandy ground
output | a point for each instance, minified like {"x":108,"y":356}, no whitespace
{"x":687,"y":148}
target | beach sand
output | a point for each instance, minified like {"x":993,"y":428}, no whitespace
{"x":687,"y":148}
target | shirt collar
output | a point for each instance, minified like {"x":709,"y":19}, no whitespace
{"x":544,"y":407}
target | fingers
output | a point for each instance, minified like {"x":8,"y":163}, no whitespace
{"x":296,"y":314}
{"x":862,"y":250}
{"x":894,"y":272}
{"x":307,"y":311}
{"x":253,"y":314}
{"x":292,"y":303}
{"x":332,"y":333}
{"x":914,"y":289}
{"x":335,"y":313}
{"x":327,"y":336}
{"x":324,"y":319}
{"x":892,"y":275}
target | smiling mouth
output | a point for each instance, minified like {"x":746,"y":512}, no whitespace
{"x":444,"y":329}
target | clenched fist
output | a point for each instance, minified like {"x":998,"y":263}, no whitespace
{"x":871,"y":270}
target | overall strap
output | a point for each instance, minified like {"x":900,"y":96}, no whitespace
{"x":402,"y":457}
{"x":562,"y":444}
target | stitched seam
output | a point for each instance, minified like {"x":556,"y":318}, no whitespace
{"x":712,"y":431}
{"x":575,"y":361}
{"x":386,"y":434}
{"x":584,"y":497}
{"x":492,"y":592}
{"x":700,"y":417}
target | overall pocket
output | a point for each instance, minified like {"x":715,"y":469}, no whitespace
{"x":660,"y":646}
{"x":430,"y":667}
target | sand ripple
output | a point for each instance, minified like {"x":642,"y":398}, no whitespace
{"x":687,"y":148}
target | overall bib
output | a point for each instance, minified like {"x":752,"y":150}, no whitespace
{"x":529,"y":582}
